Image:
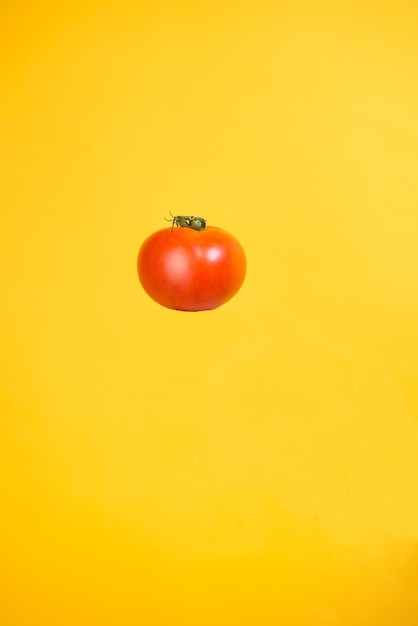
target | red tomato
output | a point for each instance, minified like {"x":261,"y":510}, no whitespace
{"x":191,"y":270}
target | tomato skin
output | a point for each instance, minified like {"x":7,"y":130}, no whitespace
{"x":191,"y":270}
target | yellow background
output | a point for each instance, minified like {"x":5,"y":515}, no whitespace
{"x":253,"y":465}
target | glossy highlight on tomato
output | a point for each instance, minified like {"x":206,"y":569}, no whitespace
{"x":191,"y":270}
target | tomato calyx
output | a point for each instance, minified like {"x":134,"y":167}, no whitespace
{"x":186,"y":221}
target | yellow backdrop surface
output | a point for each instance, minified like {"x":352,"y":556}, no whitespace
{"x":253,"y":465}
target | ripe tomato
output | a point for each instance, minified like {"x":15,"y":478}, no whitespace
{"x":191,"y":270}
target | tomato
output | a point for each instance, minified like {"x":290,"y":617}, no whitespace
{"x":191,"y":270}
